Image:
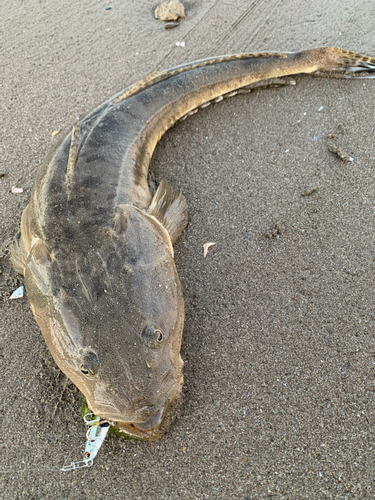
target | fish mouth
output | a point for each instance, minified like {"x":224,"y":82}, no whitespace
{"x":152,"y":428}
{"x":156,"y":425}
{"x":151,"y":423}
{"x":147,"y":423}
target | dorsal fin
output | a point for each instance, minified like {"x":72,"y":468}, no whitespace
{"x":158,"y":76}
{"x":170,"y":209}
{"x":73,"y":156}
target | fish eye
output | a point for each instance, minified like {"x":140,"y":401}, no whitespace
{"x":89,"y":363}
{"x":152,"y":336}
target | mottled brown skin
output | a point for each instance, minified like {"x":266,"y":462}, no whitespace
{"x":99,"y":271}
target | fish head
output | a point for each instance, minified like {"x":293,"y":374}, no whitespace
{"x":111,"y":311}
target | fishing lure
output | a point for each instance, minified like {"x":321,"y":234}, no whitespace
{"x":96,"y":434}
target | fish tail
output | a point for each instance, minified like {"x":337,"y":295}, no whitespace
{"x":339,"y":61}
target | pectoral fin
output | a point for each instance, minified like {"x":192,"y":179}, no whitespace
{"x":18,"y":255}
{"x":171,"y":210}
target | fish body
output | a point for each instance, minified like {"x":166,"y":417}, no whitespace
{"x":96,"y":247}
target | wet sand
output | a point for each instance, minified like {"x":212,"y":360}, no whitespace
{"x":279,"y":338}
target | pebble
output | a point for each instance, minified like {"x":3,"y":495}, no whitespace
{"x":171,"y":24}
{"x":170,"y":11}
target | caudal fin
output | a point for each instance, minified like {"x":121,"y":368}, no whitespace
{"x":335,"y":60}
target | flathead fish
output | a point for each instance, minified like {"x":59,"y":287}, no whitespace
{"x":96,"y":247}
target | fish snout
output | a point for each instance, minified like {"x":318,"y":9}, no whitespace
{"x":151,"y":423}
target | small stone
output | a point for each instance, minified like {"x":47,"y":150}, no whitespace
{"x":339,"y":153}
{"x":310,"y":191}
{"x":170,"y":11}
{"x":276,"y":231}
{"x":171,"y":24}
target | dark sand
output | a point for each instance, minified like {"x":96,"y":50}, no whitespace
{"x":279,"y":337}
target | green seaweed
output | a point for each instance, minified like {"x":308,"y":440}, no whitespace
{"x":112,"y":430}
{"x":84,"y":407}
